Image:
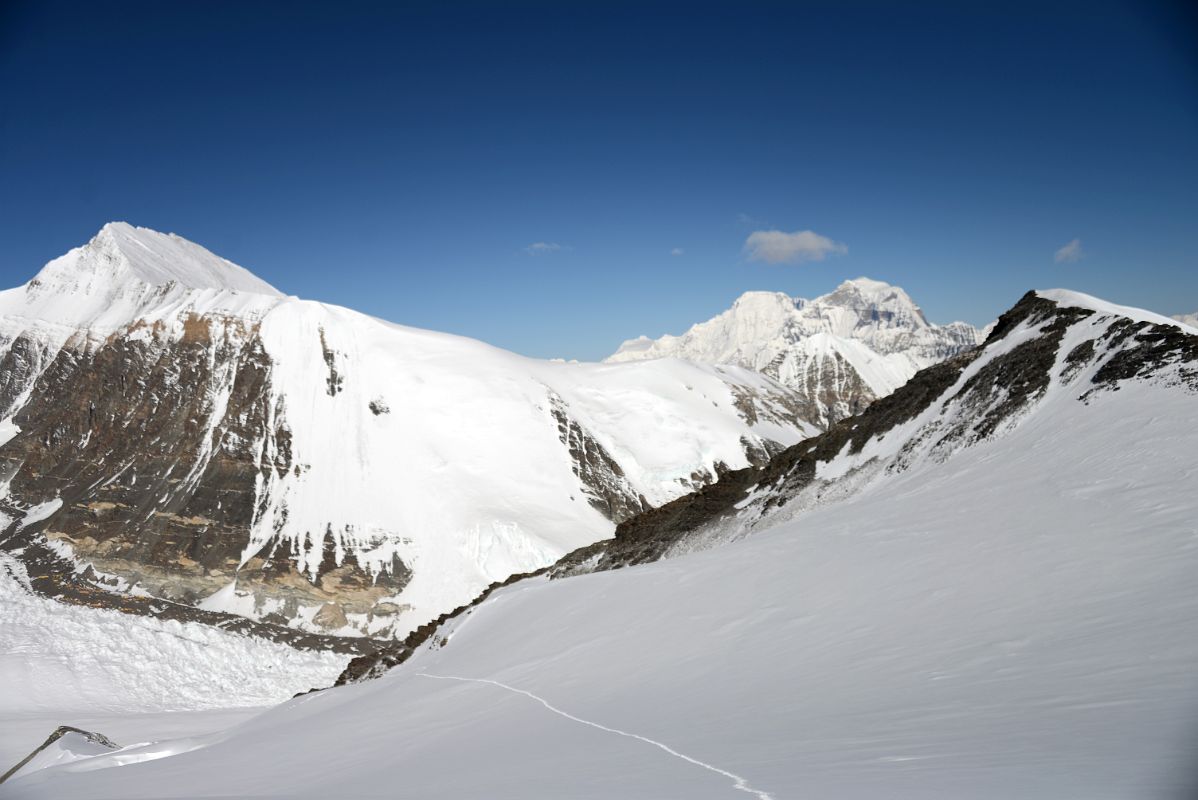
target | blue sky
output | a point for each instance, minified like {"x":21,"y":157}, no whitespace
{"x":402,"y":159}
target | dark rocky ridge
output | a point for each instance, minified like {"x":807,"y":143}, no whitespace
{"x":1002,"y":388}
{"x":606,"y":487}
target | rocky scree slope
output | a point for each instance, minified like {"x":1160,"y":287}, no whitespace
{"x":840,"y":351}
{"x":178,"y":437}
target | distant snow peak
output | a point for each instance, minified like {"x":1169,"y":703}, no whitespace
{"x":841,"y":350}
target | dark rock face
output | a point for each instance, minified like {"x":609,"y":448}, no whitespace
{"x":606,"y":487}
{"x":148,"y":443}
{"x":1152,"y":348}
{"x":1019,"y":375}
{"x":334,"y":379}
{"x":831,"y":388}
{"x":156,"y":445}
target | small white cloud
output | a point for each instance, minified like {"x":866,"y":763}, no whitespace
{"x":779,"y":247}
{"x":677,"y":251}
{"x":543,"y":248}
{"x":1070,"y":253}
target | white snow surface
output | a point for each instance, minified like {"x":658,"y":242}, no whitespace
{"x":1017,"y":618}
{"x":65,"y":659}
{"x":872,"y":325}
{"x":464,"y":476}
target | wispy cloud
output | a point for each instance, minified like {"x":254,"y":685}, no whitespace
{"x":750,"y":222}
{"x":677,"y":251}
{"x":779,"y":247}
{"x":544,"y":248}
{"x":1070,"y":253}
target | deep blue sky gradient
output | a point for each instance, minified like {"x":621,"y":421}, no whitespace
{"x":398,"y":158}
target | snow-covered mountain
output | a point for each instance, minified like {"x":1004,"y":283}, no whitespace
{"x":840,"y":351}
{"x":173,"y":426}
{"x":983,"y":586}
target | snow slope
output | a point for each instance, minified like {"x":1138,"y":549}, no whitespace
{"x":1012,"y":616}
{"x":362,"y":476}
{"x":841,"y":350}
{"x":132,"y":677}
{"x":57,"y":658}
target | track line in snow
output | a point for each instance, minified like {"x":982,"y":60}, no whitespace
{"x":739,"y":783}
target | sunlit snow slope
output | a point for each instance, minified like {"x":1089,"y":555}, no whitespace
{"x":1008,"y":615}
{"x":175,"y":426}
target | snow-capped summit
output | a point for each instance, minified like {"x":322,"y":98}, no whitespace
{"x":867,"y":303}
{"x":121,"y":252}
{"x":127,"y":273}
{"x":841,"y":350}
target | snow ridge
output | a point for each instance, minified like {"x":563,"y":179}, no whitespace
{"x":739,"y":783}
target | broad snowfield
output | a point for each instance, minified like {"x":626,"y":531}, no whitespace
{"x":1016,"y":620}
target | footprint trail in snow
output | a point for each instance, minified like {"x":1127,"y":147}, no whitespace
{"x":739,"y":783}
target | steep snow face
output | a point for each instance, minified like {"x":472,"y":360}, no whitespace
{"x":1006,"y":615}
{"x":204,"y":439}
{"x":840,"y":351}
